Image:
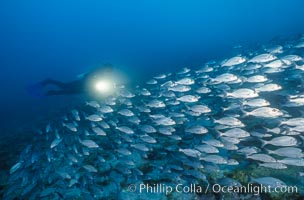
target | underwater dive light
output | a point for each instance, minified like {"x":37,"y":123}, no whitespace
{"x":104,"y":86}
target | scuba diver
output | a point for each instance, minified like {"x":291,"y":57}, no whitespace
{"x":81,"y":85}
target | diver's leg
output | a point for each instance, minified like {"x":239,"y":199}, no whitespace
{"x":60,"y":92}
{"x":55,"y":92}
{"x":53,"y":82}
{"x":74,"y":87}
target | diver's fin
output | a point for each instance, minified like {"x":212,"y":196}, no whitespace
{"x":36,"y":90}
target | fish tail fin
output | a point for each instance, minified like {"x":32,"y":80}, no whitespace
{"x":213,"y":119}
{"x":224,"y":94}
{"x":213,"y":81}
{"x":219,"y":134}
{"x":263,"y":143}
{"x":188,"y":107}
{"x":243,"y":79}
{"x":269,"y":151}
{"x":243,"y":111}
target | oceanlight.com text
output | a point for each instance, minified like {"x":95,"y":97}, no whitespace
{"x":255,"y":189}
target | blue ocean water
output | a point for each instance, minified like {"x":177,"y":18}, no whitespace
{"x":62,"y":39}
{"x":56,"y":39}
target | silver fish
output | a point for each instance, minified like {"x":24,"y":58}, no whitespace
{"x":160,"y":76}
{"x":203,"y":90}
{"x":214,"y":159}
{"x":224,"y":78}
{"x":70,"y":126}
{"x":300,"y":45}
{"x":89,"y":143}
{"x":235,"y":132}
{"x":268,"y":88}
{"x":145,"y":92}
{"x":184,"y":70}
{"x":126,"y":112}
{"x":93,"y":104}
{"x":234,"y":61}
{"x":273,"y":165}
{"x":281,"y":141}
{"x":90,"y":168}
{"x":262,"y":58}
{"x":94,"y":118}
{"x":147,"y":128}
{"x":99,"y":131}
{"x":166,"y":130}
{"x":124,"y":151}
{"x":262,"y":157}
{"x":180,"y":88}
{"x":165,"y":121}
{"x":205,"y":148}
{"x":55,"y":142}
{"x":148,"y":139}
{"x":213,"y":142}
{"x":191,"y":152}
{"x":156,"y":104}
{"x":140,"y":147}
{"x":249,"y":150}
{"x":243,"y":93}
{"x":232,"y":140}
{"x":105,"y":109}
{"x":196,"y":130}
{"x":291,"y":152}
{"x":126,"y":94}
{"x":292,"y":58}
{"x":266,"y":112}
{"x":188,"y":98}
{"x":125,"y":129}
{"x":256,"y":102}
{"x":185,"y":81}
{"x":151,"y":82}
{"x":294,"y":121}
{"x":256,"y":79}
{"x":230,"y":121}
{"x":274,"y":64}
{"x":293,"y":161}
{"x":15,"y":167}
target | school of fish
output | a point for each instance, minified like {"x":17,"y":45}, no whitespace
{"x":192,"y":126}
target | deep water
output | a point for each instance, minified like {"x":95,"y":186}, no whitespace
{"x":63,"y":39}
{"x":60,"y":40}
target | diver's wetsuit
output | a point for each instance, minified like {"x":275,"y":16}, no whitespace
{"x":73,"y":87}
{"x":77,"y":86}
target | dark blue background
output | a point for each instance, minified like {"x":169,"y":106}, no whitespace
{"x":61,"y":39}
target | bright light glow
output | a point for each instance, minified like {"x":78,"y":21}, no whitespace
{"x":104,"y":86}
